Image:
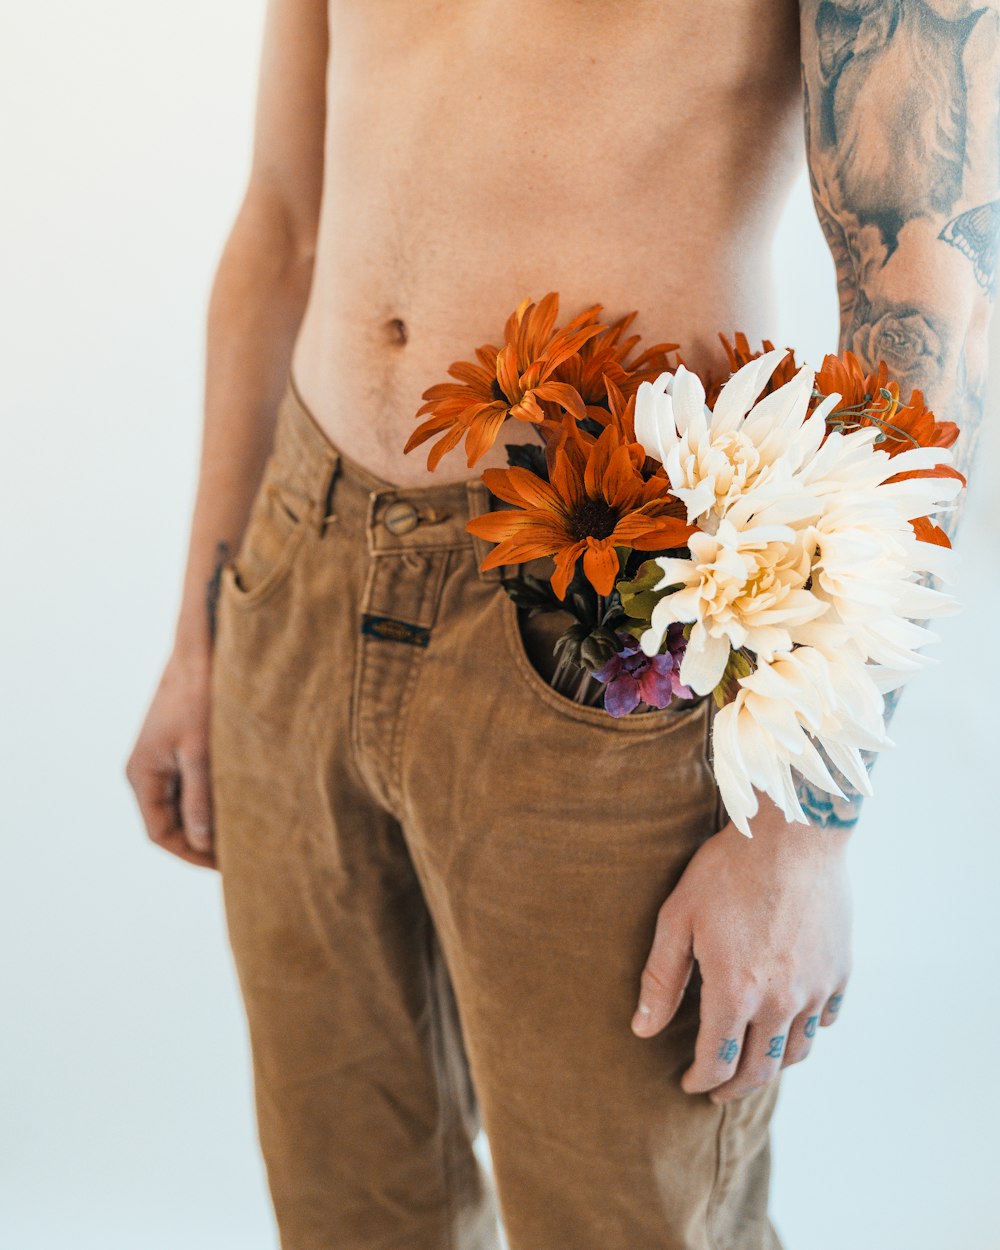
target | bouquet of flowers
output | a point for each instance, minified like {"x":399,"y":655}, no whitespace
{"x":764,"y":538}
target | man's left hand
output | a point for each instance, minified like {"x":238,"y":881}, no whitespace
{"x":768,"y":920}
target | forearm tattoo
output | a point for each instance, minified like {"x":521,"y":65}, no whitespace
{"x":902,"y":124}
{"x":212,"y":586}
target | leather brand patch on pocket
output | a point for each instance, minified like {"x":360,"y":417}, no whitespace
{"x":393,"y":630}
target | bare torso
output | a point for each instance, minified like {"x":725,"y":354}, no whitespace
{"x":478,"y":153}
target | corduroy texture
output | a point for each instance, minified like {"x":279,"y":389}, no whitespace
{"x":441,"y":881}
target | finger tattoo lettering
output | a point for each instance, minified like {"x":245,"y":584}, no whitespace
{"x":776,"y":1046}
{"x":728,"y":1049}
{"x":810,"y":1027}
{"x":833,"y":1006}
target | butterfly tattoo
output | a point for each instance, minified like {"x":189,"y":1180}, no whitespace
{"x":975,"y":234}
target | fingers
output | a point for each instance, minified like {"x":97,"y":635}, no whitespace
{"x":801,"y":1033}
{"x":763,"y":1052}
{"x":195,"y":796}
{"x":832,"y":1008}
{"x":719,"y":1047}
{"x":156,"y":781}
{"x":666,"y":974}
{"x":733,"y":1058}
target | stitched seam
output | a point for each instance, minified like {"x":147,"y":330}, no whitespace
{"x":405,"y":709}
{"x":441,"y":1084}
{"x":392,"y":549}
{"x":275,"y":578}
{"x":715,"y":1193}
{"x":360,"y":642}
{"x":403,"y":712}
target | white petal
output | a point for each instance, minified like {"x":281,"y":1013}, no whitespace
{"x":737,"y":396}
{"x":704,"y":660}
{"x":653,"y":411}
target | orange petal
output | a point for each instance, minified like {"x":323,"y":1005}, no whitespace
{"x":483,"y":431}
{"x":927,"y":532}
{"x":600,"y":563}
{"x":566,"y":396}
{"x":565,"y":562}
{"x":443,"y":446}
{"x":524,"y":489}
{"x":474,"y":376}
{"x":507,"y":374}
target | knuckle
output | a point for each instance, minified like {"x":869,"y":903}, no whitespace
{"x":738,"y":992}
{"x":783,"y":1004}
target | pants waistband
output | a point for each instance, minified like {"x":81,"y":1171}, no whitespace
{"x":344,"y":493}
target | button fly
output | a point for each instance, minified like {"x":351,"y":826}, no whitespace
{"x":400,"y":517}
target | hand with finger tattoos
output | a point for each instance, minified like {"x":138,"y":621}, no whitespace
{"x":767,"y":919}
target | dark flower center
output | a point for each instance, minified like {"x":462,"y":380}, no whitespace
{"x":594,"y":518}
{"x":497,"y":392}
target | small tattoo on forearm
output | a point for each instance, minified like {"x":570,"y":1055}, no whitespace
{"x":728,"y":1050}
{"x":776,"y":1046}
{"x":212,"y":587}
{"x":975,"y":233}
{"x":810,"y":1029}
{"x":833,"y":1006}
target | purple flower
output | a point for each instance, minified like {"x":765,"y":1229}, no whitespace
{"x":633,"y":678}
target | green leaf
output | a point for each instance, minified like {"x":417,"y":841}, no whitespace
{"x":534,"y":594}
{"x":637,"y":596}
{"x":738,"y":665}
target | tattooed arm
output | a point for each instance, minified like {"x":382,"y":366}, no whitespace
{"x":902,"y":120}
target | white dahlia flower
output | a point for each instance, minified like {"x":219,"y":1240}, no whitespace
{"x":714,"y":456}
{"x":740,"y":588}
{"x":805,"y":560}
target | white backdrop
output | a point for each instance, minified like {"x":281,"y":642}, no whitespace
{"x":125,"y":1107}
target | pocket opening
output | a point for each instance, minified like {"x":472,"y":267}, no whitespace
{"x":274,"y":530}
{"x":642,"y":722}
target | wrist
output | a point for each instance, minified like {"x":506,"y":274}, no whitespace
{"x":794,"y":840}
{"x":192,"y":650}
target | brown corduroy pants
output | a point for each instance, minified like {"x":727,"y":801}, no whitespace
{"x":441,"y":881}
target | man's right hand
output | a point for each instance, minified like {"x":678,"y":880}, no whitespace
{"x":169,"y":765}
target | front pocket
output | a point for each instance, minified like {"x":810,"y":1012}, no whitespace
{"x":529,"y":658}
{"x":274,"y":531}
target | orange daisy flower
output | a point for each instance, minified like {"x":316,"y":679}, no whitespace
{"x":510,"y":381}
{"x":871,"y":399}
{"x":862,"y":399}
{"x":604,"y":357}
{"x":596,"y":500}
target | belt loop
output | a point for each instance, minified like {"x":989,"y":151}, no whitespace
{"x":323,"y":490}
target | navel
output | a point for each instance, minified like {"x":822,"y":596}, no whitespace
{"x":396,"y":331}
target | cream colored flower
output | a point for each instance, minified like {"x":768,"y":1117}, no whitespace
{"x":740,"y":588}
{"x":805,"y":558}
{"x":811,"y":697}
{"x":713,"y":457}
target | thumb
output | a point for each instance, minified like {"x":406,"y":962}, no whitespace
{"x":666,"y":974}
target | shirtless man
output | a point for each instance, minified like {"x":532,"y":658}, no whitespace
{"x":456,"y":919}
